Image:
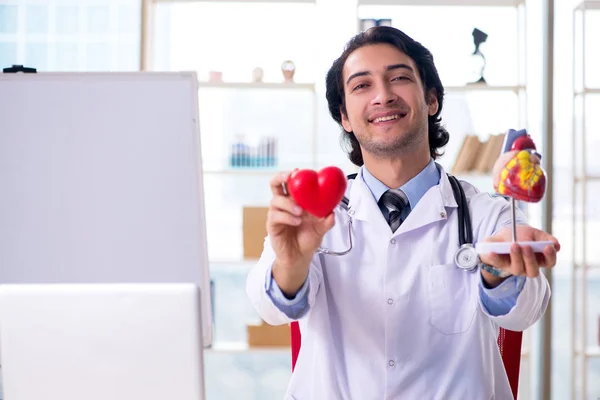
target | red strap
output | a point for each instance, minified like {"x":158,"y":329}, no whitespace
{"x":510,"y":349}
{"x":296,"y":340}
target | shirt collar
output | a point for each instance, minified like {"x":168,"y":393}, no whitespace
{"x":414,"y":188}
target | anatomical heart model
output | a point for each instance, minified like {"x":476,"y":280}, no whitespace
{"x":517,"y":174}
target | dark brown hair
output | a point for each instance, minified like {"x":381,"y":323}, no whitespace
{"x":438,"y":136}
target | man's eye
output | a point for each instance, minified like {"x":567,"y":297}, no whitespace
{"x":399,"y":78}
{"x":359,"y":86}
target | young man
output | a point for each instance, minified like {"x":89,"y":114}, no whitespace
{"x":395,"y":318}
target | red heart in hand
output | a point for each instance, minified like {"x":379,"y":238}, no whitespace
{"x":317,"y":193}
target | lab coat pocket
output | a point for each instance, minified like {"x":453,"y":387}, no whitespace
{"x":452,"y":304}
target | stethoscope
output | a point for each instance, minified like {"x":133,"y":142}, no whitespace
{"x":466,"y":256}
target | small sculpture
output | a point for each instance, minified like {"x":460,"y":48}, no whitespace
{"x":517,"y":174}
{"x":478,"y":59}
{"x":215,"y":76}
{"x":257,"y":74}
{"x":368,"y":23}
{"x":288,"y":68}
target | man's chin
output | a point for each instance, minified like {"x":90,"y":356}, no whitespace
{"x":389,"y":148}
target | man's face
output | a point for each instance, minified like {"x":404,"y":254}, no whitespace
{"x":385,"y":101}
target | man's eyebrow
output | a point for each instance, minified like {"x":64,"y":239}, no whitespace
{"x":356,"y":75}
{"x":400,"y":66}
{"x":389,"y":68}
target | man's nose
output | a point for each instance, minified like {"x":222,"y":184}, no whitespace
{"x":385,"y":95}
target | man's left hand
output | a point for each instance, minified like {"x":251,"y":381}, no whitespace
{"x":521,"y":261}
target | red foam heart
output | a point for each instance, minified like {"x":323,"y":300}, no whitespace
{"x":318,"y":193}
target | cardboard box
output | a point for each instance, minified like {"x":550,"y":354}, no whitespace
{"x":265,"y":335}
{"x":254,"y":231}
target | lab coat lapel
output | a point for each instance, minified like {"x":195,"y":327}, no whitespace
{"x":362,"y":204}
{"x":432,"y":207}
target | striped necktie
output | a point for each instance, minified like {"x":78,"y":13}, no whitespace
{"x":395,"y":201}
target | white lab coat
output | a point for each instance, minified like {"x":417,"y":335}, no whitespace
{"x":395,"y":318}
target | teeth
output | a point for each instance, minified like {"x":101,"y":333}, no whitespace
{"x":388,"y":118}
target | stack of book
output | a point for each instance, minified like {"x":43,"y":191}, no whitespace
{"x":477,"y":157}
{"x":265,"y":335}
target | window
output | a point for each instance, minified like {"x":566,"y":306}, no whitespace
{"x":69,"y":35}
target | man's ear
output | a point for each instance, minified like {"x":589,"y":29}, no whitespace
{"x":432,"y":102}
{"x":345,"y":122}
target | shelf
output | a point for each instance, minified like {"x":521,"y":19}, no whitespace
{"x":311,"y":86}
{"x":590,"y":352}
{"x":593,"y":352}
{"x":476,"y":3}
{"x":257,"y":85}
{"x":587,"y":91}
{"x":587,"y":178}
{"x":242,"y":347}
{"x":483,"y":88}
{"x":235,"y":1}
{"x":233,"y":261}
{"x":578,"y":266}
{"x":473,"y":175}
{"x":483,"y":182}
{"x":224,"y":267}
{"x":589,"y":5}
{"x":243,"y":172}
{"x":253,"y":171}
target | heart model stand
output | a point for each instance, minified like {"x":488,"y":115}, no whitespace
{"x":517,"y":174}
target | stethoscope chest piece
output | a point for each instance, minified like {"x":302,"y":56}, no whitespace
{"x":466,"y":257}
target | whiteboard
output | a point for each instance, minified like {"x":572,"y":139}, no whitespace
{"x":101,"y":180}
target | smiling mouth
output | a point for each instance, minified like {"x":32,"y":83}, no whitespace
{"x":388,"y":118}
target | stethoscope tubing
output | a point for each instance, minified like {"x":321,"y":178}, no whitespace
{"x":466,"y":257}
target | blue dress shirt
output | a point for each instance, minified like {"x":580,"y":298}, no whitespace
{"x":497,"y":301}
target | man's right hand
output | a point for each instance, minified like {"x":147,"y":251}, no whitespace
{"x":295,"y":236}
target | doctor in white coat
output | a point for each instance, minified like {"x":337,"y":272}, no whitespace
{"x":395,"y":318}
